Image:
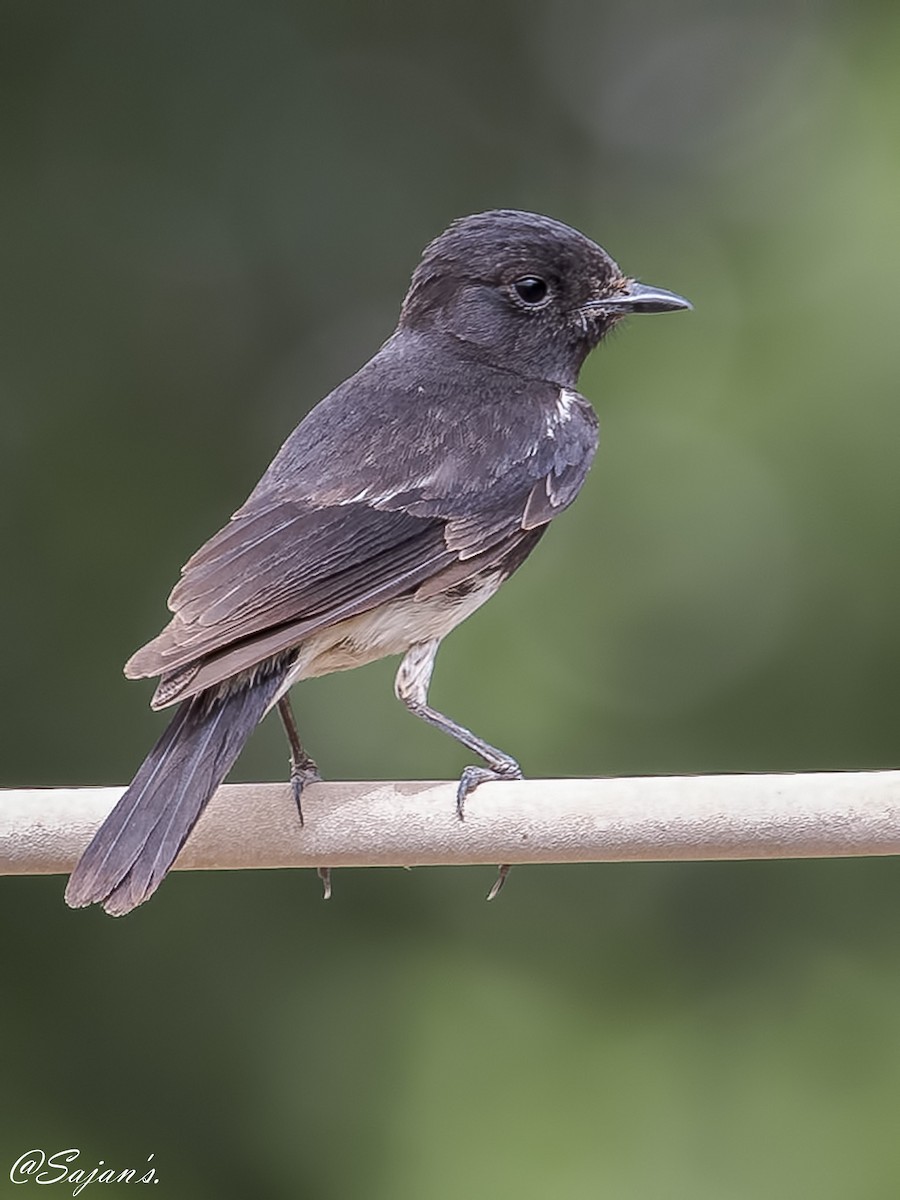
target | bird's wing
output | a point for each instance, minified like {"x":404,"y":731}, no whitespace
{"x":296,"y":563}
{"x":287,"y":566}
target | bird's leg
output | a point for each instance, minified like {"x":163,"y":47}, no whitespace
{"x":303,"y":769}
{"x":411,"y":686}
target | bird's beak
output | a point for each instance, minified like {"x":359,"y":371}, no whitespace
{"x":637,"y":298}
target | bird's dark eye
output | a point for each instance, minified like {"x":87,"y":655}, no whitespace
{"x":531,"y":290}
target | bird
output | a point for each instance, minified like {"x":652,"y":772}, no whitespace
{"x":395,"y":509}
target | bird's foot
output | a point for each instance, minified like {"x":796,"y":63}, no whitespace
{"x":303,"y":771}
{"x":472,"y":777}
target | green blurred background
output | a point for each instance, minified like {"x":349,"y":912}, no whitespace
{"x":210,"y":213}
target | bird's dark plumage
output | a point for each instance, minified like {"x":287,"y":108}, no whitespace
{"x":398,"y":505}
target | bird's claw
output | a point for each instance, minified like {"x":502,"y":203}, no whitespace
{"x":473,"y":777}
{"x":324,"y":873}
{"x":502,"y":872}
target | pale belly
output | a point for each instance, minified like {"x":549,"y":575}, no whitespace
{"x":391,"y":629}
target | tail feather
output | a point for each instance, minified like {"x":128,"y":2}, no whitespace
{"x":136,"y":845}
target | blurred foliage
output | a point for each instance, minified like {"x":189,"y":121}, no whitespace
{"x":210,"y":215}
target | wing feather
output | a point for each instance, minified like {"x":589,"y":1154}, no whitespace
{"x":298,"y":558}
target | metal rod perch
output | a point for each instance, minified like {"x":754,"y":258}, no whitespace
{"x":255,"y":825}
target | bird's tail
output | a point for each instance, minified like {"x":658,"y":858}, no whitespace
{"x":136,"y":845}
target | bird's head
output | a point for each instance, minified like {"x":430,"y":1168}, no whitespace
{"x":524,"y":292}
